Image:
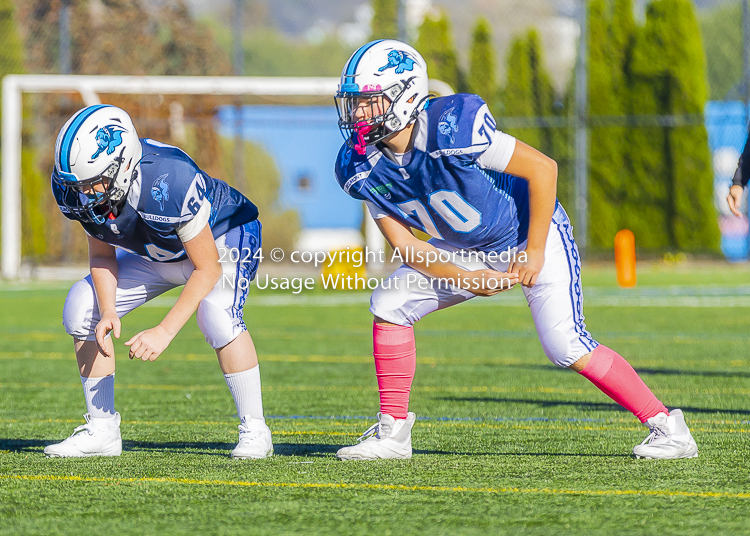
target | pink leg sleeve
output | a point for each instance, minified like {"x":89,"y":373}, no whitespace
{"x":614,"y":376}
{"x":395,"y":355}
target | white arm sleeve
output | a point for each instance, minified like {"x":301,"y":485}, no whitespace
{"x":498,"y":154}
{"x":189,"y":230}
{"x":375,"y":211}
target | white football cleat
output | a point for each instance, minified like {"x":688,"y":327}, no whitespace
{"x":255,"y":440}
{"x":669,"y":438}
{"x":98,"y":437}
{"x":388,"y":439}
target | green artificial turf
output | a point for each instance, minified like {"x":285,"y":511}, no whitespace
{"x":506,"y":442}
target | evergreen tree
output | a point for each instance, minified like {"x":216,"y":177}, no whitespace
{"x":529,"y":91}
{"x":435,"y":44}
{"x":670,"y":55}
{"x":384,"y":23}
{"x":482,"y":79}
{"x":646,"y":206}
{"x":543,"y":91}
{"x":722,"y":39}
{"x":607,"y":143}
{"x":516,"y":95}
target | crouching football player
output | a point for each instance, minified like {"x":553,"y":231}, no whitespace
{"x":441,"y":166}
{"x":154,"y":221}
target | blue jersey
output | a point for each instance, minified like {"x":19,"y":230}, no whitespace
{"x":169,"y":193}
{"x":442,"y":189}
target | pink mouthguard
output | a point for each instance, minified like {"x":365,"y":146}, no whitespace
{"x":361,"y":129}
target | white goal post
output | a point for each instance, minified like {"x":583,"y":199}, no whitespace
{"x":90,"y":87}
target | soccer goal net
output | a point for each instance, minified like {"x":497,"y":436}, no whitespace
{"x":273,"y":138}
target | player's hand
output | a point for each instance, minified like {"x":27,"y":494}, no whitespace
{"x":149,"y":344}
{"x":528,"y":271}
{"x":488,"y":282}
{"x":109,"y":322}
{"x":734,"y":199}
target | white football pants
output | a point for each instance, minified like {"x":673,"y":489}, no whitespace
{"x":556,"y":300}
{"x":140,"y":280}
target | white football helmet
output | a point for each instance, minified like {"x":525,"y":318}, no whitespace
{"x":96,"y":158}
{"x":382,"y":90}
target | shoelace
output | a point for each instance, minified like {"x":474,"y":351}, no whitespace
{"x":249,"y":434}
{"x":371,"y":431}
{"x":656,"y":432}
{"x":81,"y":428}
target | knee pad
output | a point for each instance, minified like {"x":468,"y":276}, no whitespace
{"x":78,"y":311}
{"x":556,"y":345}
{"x":218,"y":325}
{"x":392,"y":305}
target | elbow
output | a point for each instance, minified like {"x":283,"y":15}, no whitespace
{"x":216,"y":272}
{"x":549,"y":172}
{"x":551,"y":169}
{"x":212,"y":273}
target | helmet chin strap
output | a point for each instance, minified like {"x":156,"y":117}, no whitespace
{"x":386,"y":151}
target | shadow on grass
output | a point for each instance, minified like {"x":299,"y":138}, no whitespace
{"x":303,"y":450}
{"x":593,"y":406}
{"x":320,"y":450}
{"x":207,"y":448}
{"x":549,"y":367}
{"x":36,"y":445}
{"x":704,"y":373}
{"x":23,"y":445}
{"x":315,"y":450}
{"x":518,"y":454}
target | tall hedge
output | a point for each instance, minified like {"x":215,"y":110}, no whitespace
{"x":654,"y":180}
{"x":668,"y":55}
{"x":384,"y":23}
{"x":607,"y":164}
{"x":646,"y":207}
{"x":529,"y":91}
{"x":436,"y":45}
{"x":482,"y":79}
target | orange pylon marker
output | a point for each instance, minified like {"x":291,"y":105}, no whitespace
{"x":625,"y":258}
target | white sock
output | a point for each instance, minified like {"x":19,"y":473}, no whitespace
{"x":245,"y":389}
{"x":100,"y":396}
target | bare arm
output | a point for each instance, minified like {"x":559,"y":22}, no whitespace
{"x":402,"y":239}
{"x":739,"y":181}
{"x":103,"y":265}
{"x":540,"y":172}
{"x":148,"y":345}
{"x":734,"y":199}
{"x":205,"y":258}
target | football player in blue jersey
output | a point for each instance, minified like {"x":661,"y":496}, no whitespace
{"x":155,"y":221}
{"x":489,"y":202}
